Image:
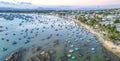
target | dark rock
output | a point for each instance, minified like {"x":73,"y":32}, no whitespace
{"x":37,"y":49}
{"x":87,"y":58}
{"x":30,"y":59}
{"x":35,"y":58}
{"x":106,"y":58}
{"x":84,"y":44}
{"x":16,"y":56}
{"x":51,"y":51}
{"x":63,"y":58}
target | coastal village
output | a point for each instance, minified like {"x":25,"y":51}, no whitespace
{"x":97,"y":19}
{"x":105,"y":22}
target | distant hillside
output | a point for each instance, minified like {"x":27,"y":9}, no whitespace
{"x":25,"y":6}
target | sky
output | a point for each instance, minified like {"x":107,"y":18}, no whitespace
{"x":68,"y":2}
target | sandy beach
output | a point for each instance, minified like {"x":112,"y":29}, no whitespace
{"x":107,"y":44}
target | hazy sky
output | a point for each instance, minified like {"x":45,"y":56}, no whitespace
{"x":69,"y":2}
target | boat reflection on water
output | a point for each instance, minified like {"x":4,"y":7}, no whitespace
{"x":38,"y":37}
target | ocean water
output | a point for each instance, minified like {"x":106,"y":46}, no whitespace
{"x":23,"y":30}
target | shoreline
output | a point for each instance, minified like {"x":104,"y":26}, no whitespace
{"x":107,"y":44}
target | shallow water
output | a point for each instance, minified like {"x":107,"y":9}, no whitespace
{"x":42,"y":30}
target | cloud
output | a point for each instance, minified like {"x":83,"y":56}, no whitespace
{"x":14,"y":2}
{"x":25,"y":3}
{"x":67,"y":2}
{"x":72,"y":2}
{"x":20,"y":5}
{"x":4,"y":2}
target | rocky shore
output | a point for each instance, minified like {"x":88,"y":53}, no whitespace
{"x":16,"y":56}
{"x":44,"y":55}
